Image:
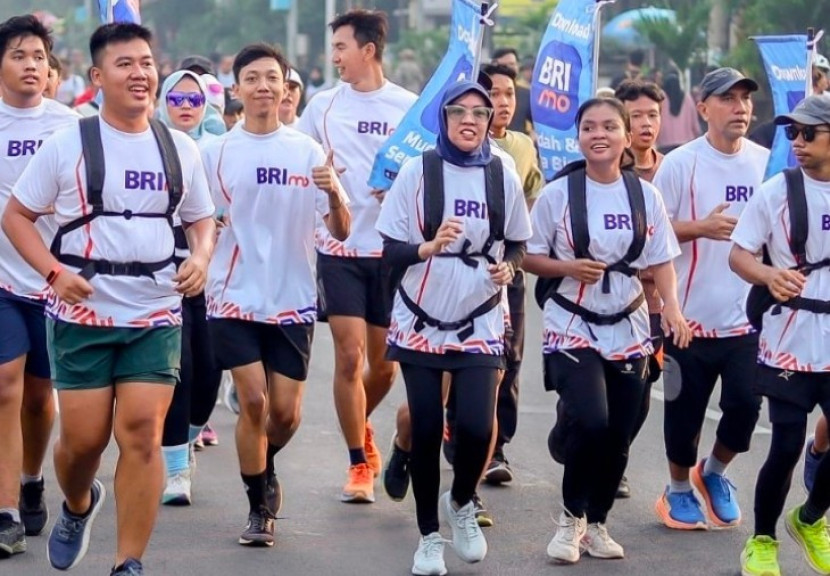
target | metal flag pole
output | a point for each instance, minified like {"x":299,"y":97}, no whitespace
{"x":813,"y":38}
{"x":485,"y":20}
{"x":597,"y":35}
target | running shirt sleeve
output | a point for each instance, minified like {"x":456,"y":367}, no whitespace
{"x":196,"y":204}
{"x":754,"y":228}
{"x":662,"y":246}
{"x":543,"y":224}
{"x":306,"y":123}
{"x":37,"y":187}
{"x":395,"y":211}
{"x":517,"y":221}
{"x":210,"y":155}
{"x":668,"y":180}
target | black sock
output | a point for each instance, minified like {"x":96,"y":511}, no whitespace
{"x":269,"y":459}
{"x":809,"y":514}
{"x":357,"y":456}
{"x":255,"y":490}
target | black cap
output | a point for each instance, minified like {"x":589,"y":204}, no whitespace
{"x":197,"y":64}
{"x":812,"y":111}
{"x":722,"y":80}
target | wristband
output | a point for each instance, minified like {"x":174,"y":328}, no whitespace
{"x":53,"y":274}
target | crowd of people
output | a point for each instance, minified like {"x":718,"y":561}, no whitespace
{"x":169,"y":232}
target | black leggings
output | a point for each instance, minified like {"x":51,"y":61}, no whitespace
{"x":474,"y":390}
{"x":195,"y":394}
{"x":602,"y":401}
{"x":789,"y":428}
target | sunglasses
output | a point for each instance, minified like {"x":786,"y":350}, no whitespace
{"x":481,"y":114}
{"x":792,"y":131}
{"x":177,"y":99}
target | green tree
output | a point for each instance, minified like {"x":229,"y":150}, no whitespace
{"x":681,"y":40}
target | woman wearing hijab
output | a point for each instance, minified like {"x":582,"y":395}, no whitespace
{"x":183,"y":106}
{"x":448,"y":313}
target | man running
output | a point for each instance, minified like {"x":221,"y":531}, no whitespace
{"x":793,"y":372}
{"x":706,"y":185}
{"x":271,"y":182}
{"x":352,"y":121}
{"x":114,"y":318}
{"x":26,"y":402}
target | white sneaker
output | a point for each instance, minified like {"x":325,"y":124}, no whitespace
{"x":467,"y":537}
{"x":564,"y":546}
{"x":597,"y":543}
{"x":177,"y":490}
{"x":429,"y":557}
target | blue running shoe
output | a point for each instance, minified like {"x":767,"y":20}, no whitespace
{"x":720,"y":496}
{"x":810,"y":465}
{"x":131,"y":567}
{"x":680,"y":511}
{"x":69,"y":539}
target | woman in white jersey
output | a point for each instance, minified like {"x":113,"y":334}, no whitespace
{"x":448,"y":315}
{"x":183,"y":106}
{"x":596,"y":326}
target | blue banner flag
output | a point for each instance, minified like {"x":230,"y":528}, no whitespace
{"x":563,"y":78}
{"x":122,"y":11}
{"x":785,"y":62}
{"x":418,"y":129}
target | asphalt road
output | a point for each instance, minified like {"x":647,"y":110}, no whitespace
{"x":318,"y":535}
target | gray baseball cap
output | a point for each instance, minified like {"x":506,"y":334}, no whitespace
{"x":722,"y":80}
{"x":812,"y":111}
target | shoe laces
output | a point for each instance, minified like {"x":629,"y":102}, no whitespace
{"x":818,"y":536}
{"x":68,"y":528}
{"x":686,"y":500}
{"x":568,"y":526}
{"x":466,"y":520}
{"x":130,"y":568}
{"x":177,"y":482}
{"x":361,"y":473}
{"x":765,"y":551}
{"x":724,"y":486}
{"x":601,"y":532}
{"x":433,"y":546}
{"x":259,"y":519}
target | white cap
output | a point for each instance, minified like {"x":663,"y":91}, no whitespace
{"x":215,"y":92}
{"x":821,"y":62}
{"x":294,"y":76}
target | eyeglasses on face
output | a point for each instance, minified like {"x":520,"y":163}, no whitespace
{"x":177,"y":99}
{"x":792,"y":131}
{"x":457,"y":113}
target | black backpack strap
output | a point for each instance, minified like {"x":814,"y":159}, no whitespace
{"x":578,"y":205}
{"x":799,"y":220}
{"x":172,"y":164}
{"x":494,"y":185}
{"x":93,"y":151}
{"x":433,"y":193}
{"x":638,"y":215}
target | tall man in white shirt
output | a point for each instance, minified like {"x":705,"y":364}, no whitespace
{"x":706,"y":185}
{"x":352,"y":121}
{"x":26,"y":119}
{"x":115,"y":314}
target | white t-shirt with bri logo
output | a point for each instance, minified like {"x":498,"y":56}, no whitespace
{"x":446,"y":288}
{"x":793,"y":339}
{"x":263,"y":269}
{"x":611,"y":233}
{"x":134,"y":181}
{"x":22,"y":131}
{"x":355,"y":125}
{"x":694,"y":179}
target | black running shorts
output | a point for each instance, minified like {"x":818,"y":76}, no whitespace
{"x":358,"y":287}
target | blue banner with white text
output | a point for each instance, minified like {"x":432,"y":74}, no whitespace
{"x":418,"y":129}
{"x":563,"y":78}
{"x":785,"y":62}
{"x":122,"y":11}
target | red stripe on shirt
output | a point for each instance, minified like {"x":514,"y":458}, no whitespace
{"x":234,"y":257}
{"x":325,"y":120}
{"x":219,"y":173}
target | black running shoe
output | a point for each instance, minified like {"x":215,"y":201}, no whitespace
{"x":483,"y":518}
{"x":33,"y":511}
{"x":12,"y":536}
{"x":131,"y":567}
{"x":260,"y":529}
{"x":498,"y":471}
{"x":623,"y":490}
{"x":273,"y":494}
{"x":396,"y":473}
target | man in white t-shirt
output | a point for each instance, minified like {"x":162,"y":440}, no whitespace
{"x":353,"y":120}
{"x":271,"y":183}
{"x":26,"y":119}
{"x":706,"y":185}
{"x":115,"y":306}
{"x":794,"y":371}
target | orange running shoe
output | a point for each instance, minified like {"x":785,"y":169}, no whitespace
{"x":373,"y":456}
{"x":360,"y":488}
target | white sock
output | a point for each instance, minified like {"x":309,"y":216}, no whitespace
{"x":714,"y":466}
{"x":26,"y":479}
{"x":676,"y":486}
{"x":13,"y":512}
{"x":176,"y":458}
